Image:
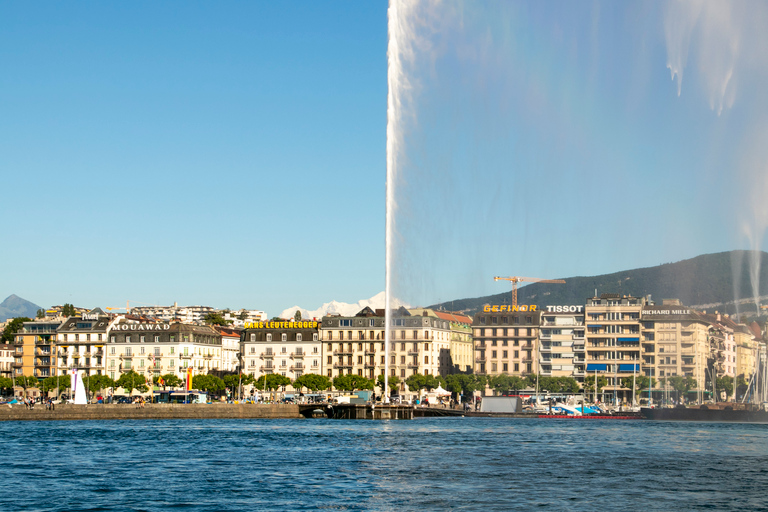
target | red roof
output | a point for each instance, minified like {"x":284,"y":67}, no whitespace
{"x":453,"y":317}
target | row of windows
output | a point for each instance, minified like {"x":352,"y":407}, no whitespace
{"x":507,"y":332}
{"x":283,"y":336}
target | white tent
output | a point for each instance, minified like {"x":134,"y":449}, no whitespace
{"x":78,"y":389}
{"x":441,"y":392}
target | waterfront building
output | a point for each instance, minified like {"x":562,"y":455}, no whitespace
{"x":287,"y":348}
{"x":722,"y":345}
{"x":461,"y":351}
{"x":6,"y":359}
{"x":561,"y":342}
{"x":355,"y":345}
{"x":155,"y":349}
{"x":506,"y":340}
{"x":675,"y":342}
{"x":613,"y":341}
{"x":35,"y":349}
{"x":80,"y":343}
{"x":230,"y":349}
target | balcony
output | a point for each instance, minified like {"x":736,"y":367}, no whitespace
{"x":480,"y":359}
{"x":342,"y":365}
{"x":16,"y":365}
{"x":342,"y":352}
{"x":208,"y":356}
{"x":185,"y":356}
{"x":370,"y":352}
{"x":413,"y":352}
{"x":545,"y":348}
{"x":267,"y":355}
{"x":413,"y":365}
{"x":370,"y":365}
{"x":295,"y":368}
{"x":297,"y":355}
{"x":125,"y":356}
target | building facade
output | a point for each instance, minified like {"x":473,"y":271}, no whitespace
{"x":80,"y":343}
{"x":230,"y":349}
{"x":561,"y":342}
{"x":154,"y":349}
{"x":612,"y":341}
{"x":290,"y":349}
{"x":506,"y":340}
{"x":6,"y":360}
{"x":35,"y":349}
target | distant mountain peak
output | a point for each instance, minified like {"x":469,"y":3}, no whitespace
{"x":14,"y":306}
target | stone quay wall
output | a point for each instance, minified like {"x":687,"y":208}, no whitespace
{"x":18,"y":412}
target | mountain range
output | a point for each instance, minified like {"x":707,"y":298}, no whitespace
{"x":14,"y":306}
{"x":711,"y":281}
{"x":340,"y":308}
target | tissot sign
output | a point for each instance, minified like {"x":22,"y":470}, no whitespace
{"x":141,"y":327}
{"x":565,"y":309}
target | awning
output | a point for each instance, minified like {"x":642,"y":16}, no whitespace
{"x":594,"y":325}
{"x":596,"y":367}
{"x":628,"y":339}
{"x":629,"y":367}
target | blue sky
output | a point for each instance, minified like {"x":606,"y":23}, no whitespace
{"x":234,"y":154}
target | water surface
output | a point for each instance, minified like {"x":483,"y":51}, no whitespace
{"x":428,"y":464}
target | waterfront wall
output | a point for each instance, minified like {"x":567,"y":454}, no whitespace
{"x":18,"y":412}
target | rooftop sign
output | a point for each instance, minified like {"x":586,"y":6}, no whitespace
{"x":504,"y":308}
{"x":565,"y":309}
{"x":281,"y":325}
{"x":141,"y":327}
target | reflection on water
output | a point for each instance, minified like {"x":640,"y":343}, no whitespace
{"x":445,"y":463}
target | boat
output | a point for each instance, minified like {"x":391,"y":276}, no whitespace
{"x":720,"y":412}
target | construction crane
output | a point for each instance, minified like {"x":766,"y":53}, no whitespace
{"x":516,"y":280}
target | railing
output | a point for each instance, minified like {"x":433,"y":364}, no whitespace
{"x":545,"y":348}
{"x":412,"y":365}
{"x":185,"y":356}
{"x":342,"y":365}
{"x":297,"y":355}
{"x":296,"y":367}
{"x":126,"y":356}
{"x":267,"y":355}
{"x":413,"y":352}
{"x":342,"y":352}
{"x":480,"y":359}
{"x":369,"y":352}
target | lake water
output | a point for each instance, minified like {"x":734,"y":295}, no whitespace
{"x":424,"y":464}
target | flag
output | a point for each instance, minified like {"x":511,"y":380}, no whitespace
{"x":161,"y":381}
{"x":189,"y":378}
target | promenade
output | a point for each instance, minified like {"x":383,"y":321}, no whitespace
{"x":19,"y":412}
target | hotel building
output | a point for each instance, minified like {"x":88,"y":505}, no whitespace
{"x":290,"y":349}
{"x":462,"y":349}
{"x":81,"y":342}
{"x":355,"y":345}
{"x":155,"y":349}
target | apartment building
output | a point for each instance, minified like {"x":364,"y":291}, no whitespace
{"x":6,"y":359}
{"x":612,"y":341}
{"x":290,"y":349}
{"x":506,"y":340}
{"x":561,"y":342}
{"x":35,"y":349}
{"x":230,"y":349}
{"x":461,"y":350}
{"x":675,"y":342}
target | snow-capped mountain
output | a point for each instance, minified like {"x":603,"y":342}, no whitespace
{"x":342,"y":308}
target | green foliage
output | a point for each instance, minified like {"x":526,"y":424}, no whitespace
{"x":243,"y":315}
{"x":393,"y":381}
{"x":502,"y":383}
{"x":589,"y":383}
{"x":641,"y":383}
{"x":273,"y":382}
{"x":96,"y":383}
{"x":68,"y":310}
{"x":234,"y":380}
{"x":312,"y":382}
{"x":132,"y":380}
{"x":418,"y":381}
{"x":6,"y":383}
{"x":352,"y":382}
{"x":466,"y":384}
{"x":297,"y":316}
{"x":12,"y":328}
{"x":216,"y":319}
{"x":208,"y":383}
{"x":169,"y":380}
{"x":724,"y":384}
{"x":40,"y":313}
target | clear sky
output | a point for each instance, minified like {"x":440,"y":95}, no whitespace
{"x":233,"y":154}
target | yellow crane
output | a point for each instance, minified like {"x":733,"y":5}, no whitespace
{"x":516,"y":280}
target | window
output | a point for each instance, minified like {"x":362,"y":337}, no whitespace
{"x":127,"y":339}
{"x":112,"y":350}
{"x":402,"y":359}
{"x":141,"y":350}
{"x":284,"y":337}
{"x":504,"y":354}
{"x":493,"y":354}
{"x":426,"y":359}
{"x":111,"y":339}
{"x":298,"y":336}
{"x":141,"y":339}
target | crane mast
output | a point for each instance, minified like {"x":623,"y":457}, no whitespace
{"x":515,"y":279}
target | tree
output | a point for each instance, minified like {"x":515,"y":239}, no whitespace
{"x":589,"y":384}
{"x":68,"y":310}
{"x":681,"y":384}
{"x":243,"y":315}
{"x":393,"y":382}
{"x":273,"y":382}
{"x":132,"y":380}
{"x":216,"y":318}
{"x":352,"y":382}
{"x":49,"y":384}
{"x":502,"y":383}
{"x":724,"y":383}
{"x":12,"y":328}
{"x":208,"y":383}
{"x":40,"y":313}
{"x":641,"y":383}
{"x":168,"y":380}
{"x":6,"y":383}
{"x":297,"y":316}
{"x":418,"y":381}
{"x":312,"y":382}
{"x":467,"y":384}
{"x":96,"y":383}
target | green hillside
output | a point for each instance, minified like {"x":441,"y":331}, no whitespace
{"x":712,"y":280}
